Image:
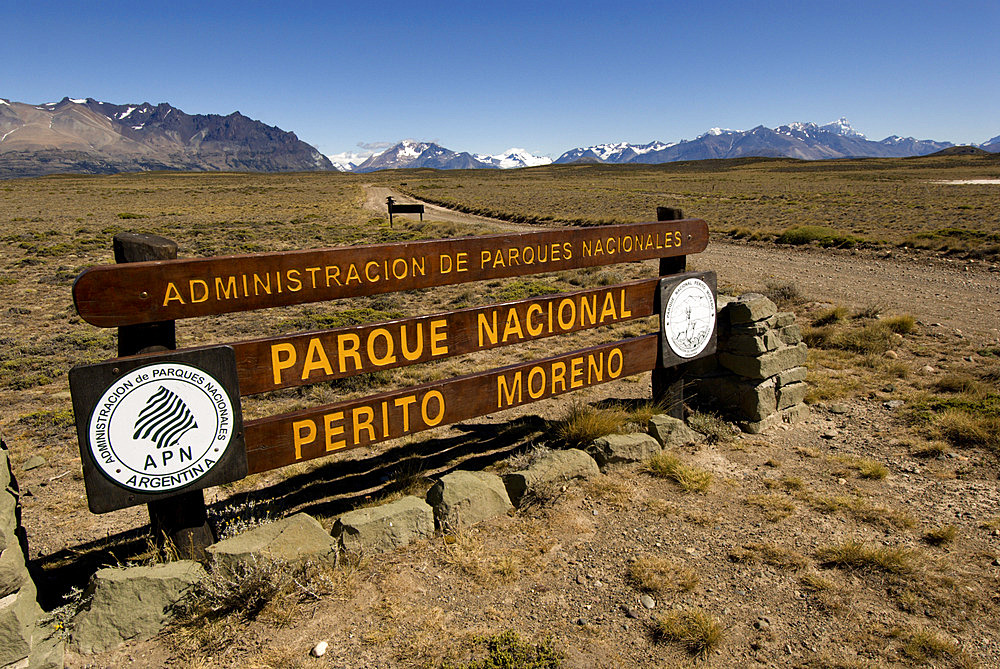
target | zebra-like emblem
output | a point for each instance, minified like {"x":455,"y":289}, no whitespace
{"x":164,"y":419}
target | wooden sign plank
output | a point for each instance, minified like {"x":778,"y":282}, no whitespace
{"x":146,"y":292}
{"x":312,"y":357}
{"x":319,"y":431}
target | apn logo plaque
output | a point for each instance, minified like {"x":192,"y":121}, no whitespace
{"x":152,"y":426}
{"x":161,"y":427}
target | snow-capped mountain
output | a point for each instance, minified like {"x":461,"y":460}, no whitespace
{"x":807,"y":141}
{"x":85,"y":135}
{"x":513,"y":158}
{"x":411,"y":154}
{"x":618,"y":152}
{"x":992,"y":145}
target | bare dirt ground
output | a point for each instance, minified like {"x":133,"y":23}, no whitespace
{"x":757,"y":541}
{"x":961,"y":295}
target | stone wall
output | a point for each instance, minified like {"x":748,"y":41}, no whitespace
{"x":757,"y":377}
{"x":20,"y":635}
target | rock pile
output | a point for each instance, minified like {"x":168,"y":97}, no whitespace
{"x":757,"y":376}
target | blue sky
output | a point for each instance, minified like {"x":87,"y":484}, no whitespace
{"x":545,"y":76}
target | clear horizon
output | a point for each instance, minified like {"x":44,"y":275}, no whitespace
{"x":545,"y":77}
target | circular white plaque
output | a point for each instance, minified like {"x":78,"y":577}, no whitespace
{"x":161,"y":427}
{"x":689,"y":318}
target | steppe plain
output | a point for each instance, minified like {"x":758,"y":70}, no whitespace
{"x":897,"y":462}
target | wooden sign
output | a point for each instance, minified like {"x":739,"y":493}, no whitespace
{"x":316,"y":432}
{"x":147,"y":292}
{"x":154,"y":426}
{"x":312,"y":357}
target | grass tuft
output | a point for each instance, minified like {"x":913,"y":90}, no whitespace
{"x":659,"y":575}
{"x":508,"y":650}
{"x":940,"y":536}
{"x":669,"y":466}
{"x":855,"y":555}
{"x":698,"y":631}
{"x":583,"y":424}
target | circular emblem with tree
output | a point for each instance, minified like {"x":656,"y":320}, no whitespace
{"x":161,"y":427}
{"x":689,"y":318}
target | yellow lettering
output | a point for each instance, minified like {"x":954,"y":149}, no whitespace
{"x":462,"y":262}
{"x":204,"y":288}
{"x":368,"y":275}
{"x":172,"y":294}
{"x":418,"y":349}
{"x":608,"y":308}
{"x":427,"y":418}
{"x":316,"y":359}
{"x":484,"y":258}
{"x":278,"y":363}
{"x":567,"y":324}
{"x":294,"y":279}
{"x":352,"y":275}
{"x":225,"y":291}
{"x":576,"y":373}
{"x":539,"y":373}
{"x":438,"y":337}
{"x":260,"y":283}
{"x":558,"y":376}
{"x":588,"y":307}
{"x":332,"y":430}
{"x":622,"y":311}
{"x":615,"y":373}
{"x":513,"y":325}
{"x":300,"y":439}
{"x":445,"y":263}
{"x":534,"y":332}
{"x":365,"y":424}
{"x":595,"y":367}
{"x":390,"y":356}
{"x":347,"y":347}
{"x":486,"y":328}
{"x":404,"y":403}
{"x":506,"y":393}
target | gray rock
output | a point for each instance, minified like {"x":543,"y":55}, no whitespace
{"x":893,"y":404}
{"x":793,"y":393}
{"x":13,"y":573}
{"x":671,"y":432}
{"x":759,"y":426}
{"x":386,"y":527}
{"x":18,"y":614}
{"x":9,"y":519}
{"x":784,"y":319}
{"x":5,"y":471}
{"x":721,"y":301}
{"x":552,"y":467}
{"x":745,"y":399}
{"x":461,"y":499}
{"x":748,"y":344}
{"x":793,"y":375}
{"x":790,"y":334}
{"x":298,"y":537}
{"x":131,"y":603}
{"x":617,"y":448}
{"x":795,"y":414}
{"x":766,"y":365}
{"x":839,"y":408}
{"x":751,"y":308}
{"x":48,"y":653}
{"x":34,"y":462}
{"x":648,"y":601}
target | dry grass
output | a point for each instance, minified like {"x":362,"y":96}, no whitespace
{"x":661,"y":575}
{"x":689,"y":478}
{"x":699,"y":632}
{"x":583,"y":424}
{"x":939,"y":536}
{"x":775,"y":507}
{"x":771,"y":554}
{"x":855,"y":555}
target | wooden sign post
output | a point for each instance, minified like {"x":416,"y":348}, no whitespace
{"x":149,"y":289}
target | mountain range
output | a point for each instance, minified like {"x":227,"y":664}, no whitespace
{"x":88,"y":136}
{"x":84,"y":135}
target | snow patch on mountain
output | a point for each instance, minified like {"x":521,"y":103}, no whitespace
{"x":513,"y":158}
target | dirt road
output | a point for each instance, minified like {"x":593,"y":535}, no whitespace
{"x":956,"y":294}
